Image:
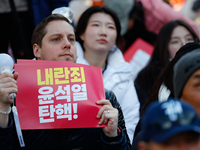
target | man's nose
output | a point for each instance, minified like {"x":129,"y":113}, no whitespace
{"x":66,"y":44}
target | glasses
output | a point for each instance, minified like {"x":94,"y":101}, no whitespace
{"x":183,"y":119}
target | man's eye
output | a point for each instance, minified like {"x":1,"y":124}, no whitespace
{"x":56,"y":39}
{"x":71,"y":39}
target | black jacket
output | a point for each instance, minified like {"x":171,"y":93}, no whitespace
{"x":68,"y":139}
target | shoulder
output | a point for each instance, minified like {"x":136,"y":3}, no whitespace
{"x":116,"y":61}
{"x":109,"y":94}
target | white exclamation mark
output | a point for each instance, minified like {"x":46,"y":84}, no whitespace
{"x":75,"y":116}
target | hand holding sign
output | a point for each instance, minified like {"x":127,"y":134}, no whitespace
{"x":108,"y":115}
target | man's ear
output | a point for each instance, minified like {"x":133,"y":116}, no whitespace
{"x":37,"y":51}
{"x":142,"y":145}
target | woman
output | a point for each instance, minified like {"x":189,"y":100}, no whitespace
{"x":171,"y":37}
{"x":166,"y":78}
{"x":97,"y":32}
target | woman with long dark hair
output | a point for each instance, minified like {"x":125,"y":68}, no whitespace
{"x":171,"y":37}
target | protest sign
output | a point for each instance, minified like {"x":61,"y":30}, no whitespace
{"x":54,"y":94}
{"x":138,"y":55}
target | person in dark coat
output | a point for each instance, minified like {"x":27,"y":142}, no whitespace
{"x":54,"y":39}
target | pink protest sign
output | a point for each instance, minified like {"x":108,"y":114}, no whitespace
{"x":53,"y":94}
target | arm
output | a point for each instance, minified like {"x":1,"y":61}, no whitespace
{"x":8,"y":85}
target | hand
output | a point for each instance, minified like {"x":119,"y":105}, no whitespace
{"x":108,"y":115}
{"x":8,"y":85}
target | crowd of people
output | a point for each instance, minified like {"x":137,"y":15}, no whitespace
{"x":157,"y":110}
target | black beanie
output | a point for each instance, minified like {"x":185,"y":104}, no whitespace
{"x":183,"y":69}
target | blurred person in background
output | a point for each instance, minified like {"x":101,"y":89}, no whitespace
{"x":163,"y":86}
{"x":188,"y":11}
{"x":170,"y":125}
{"x":171,"y":37}
{"x":98,"y":33}
{"x":122,"y":9}
{"x":158,"y":12}
{"x":136,"y":28}
{"x":43,"y":8}
{"x":186,"y":79}
{"x":196,"y":10}
{"x":16,"y":28}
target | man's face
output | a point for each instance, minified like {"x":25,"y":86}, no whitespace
{"x":181,"y":141}
{"x":58,"y":44}
{"x":191,"y":91}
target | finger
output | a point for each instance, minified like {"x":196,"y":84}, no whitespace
{"x":16,"y":75}
{"x":6,"y":74}
{"x":8,"y":85}
{"x":105,"y":121}
{"x":9,"y":90}
{"x":107,"y":115}
{"x":106,"y":105}
{"x":102,"y":109}
{"x":104,"y":118}
{"x":7,"y":79}
{"x":103,"y":102}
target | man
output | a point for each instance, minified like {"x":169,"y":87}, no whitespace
{"x":186,"y":79}
{"x":170,"y":125}
{"x":54,"y":39}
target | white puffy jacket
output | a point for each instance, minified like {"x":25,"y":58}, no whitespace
{"x":118,"y":77}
